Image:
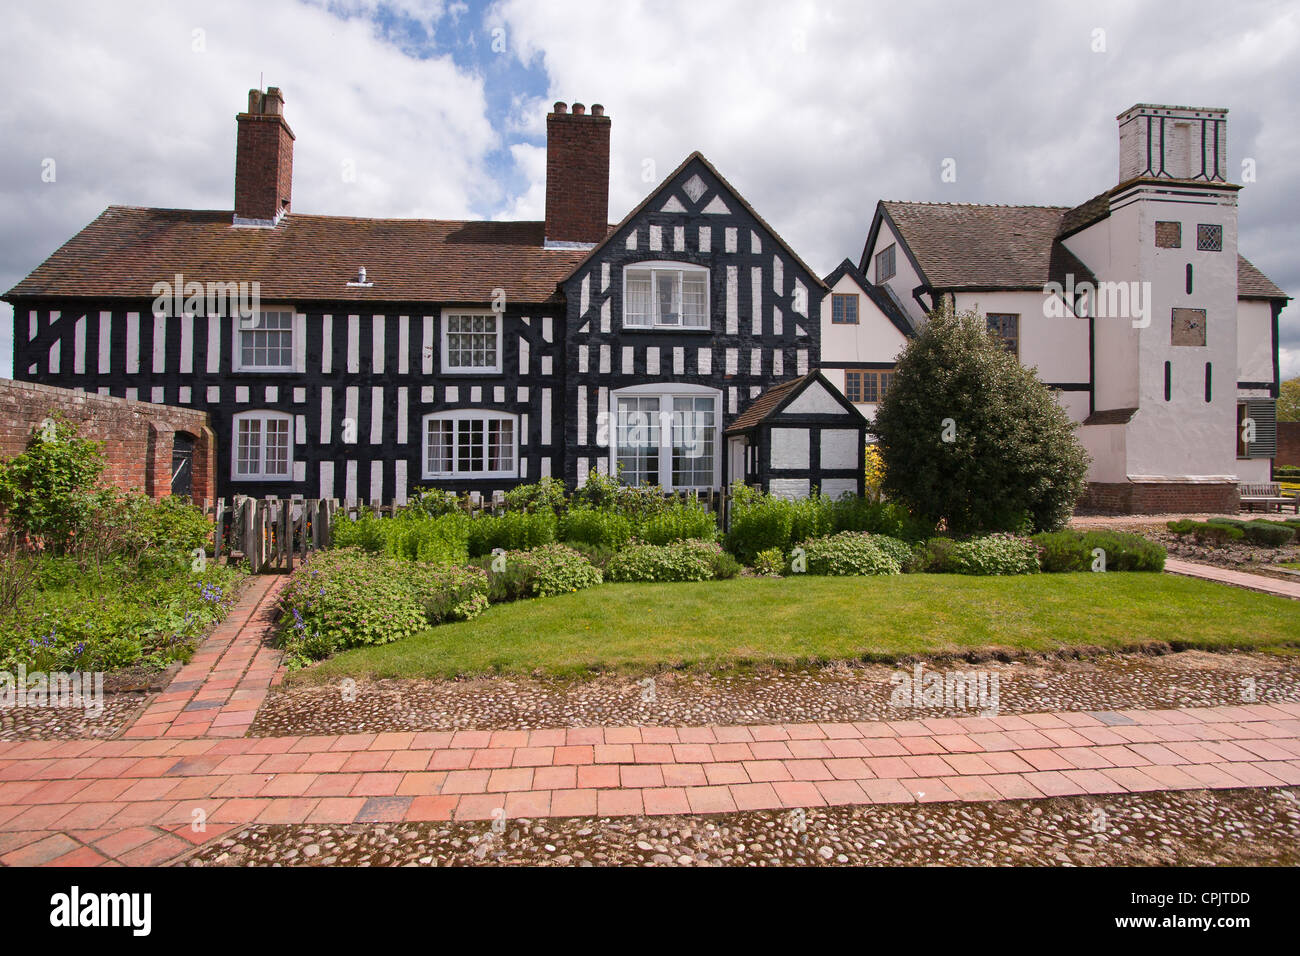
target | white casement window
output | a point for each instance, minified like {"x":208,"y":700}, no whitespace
{"x":667,"y":435}
{"x":668,"y":295}
{"x":262,"y":447}
{"x":264,"y":342}
{"x":471,"y":444}
{"x":471,"y":342}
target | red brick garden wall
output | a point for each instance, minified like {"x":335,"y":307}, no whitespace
{"x":137,"y":436}
{"x":1288,"y":443}
{"x":1151,"y":499}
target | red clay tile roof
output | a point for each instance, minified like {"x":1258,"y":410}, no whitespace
{"x":305,"y":258}
{"x":765,"y":403}
{"x":968,"y":246}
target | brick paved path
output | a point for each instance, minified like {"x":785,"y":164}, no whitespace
{"x":137,"y":800}
{"x":1242,"y":579}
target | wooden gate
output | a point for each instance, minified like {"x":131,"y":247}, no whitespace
{"x":270,"y":534}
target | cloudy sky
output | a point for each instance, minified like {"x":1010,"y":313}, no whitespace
{"x":814,"y":110}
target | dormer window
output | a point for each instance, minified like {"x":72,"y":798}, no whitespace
{"x":667,"y":295}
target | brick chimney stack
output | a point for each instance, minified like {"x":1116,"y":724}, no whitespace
{"x":577,"y":175}
{"x":263,"y":160}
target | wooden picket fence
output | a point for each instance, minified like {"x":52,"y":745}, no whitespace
{"x":271,"y":535}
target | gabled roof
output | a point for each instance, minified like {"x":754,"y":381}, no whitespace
{"x":964,"y":246}
{"x":772,"y":402}
{"x":696,"y":156}
{"x":879,"y":296}
{"x":304,"y":258}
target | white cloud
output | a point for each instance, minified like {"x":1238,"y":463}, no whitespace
{"x":136,"y":108}
{"x":814,"y":110}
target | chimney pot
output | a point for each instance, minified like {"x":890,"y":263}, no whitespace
{"x":579,"y":109}
{"x":561,"y":107}
{"x":597,"y":110}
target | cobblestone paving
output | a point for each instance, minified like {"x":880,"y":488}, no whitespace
{"x":1224,"y":827}
{"x":63,"y":723}
{"x":1109,"y":682}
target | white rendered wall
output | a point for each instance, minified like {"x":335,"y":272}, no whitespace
{"x":1057,"y":347}
{"x":873,"y":339}
{"x":1254,"y":341}
{"x":905,"y":278}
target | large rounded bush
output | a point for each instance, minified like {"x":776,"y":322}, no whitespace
{"x":970,"y":436}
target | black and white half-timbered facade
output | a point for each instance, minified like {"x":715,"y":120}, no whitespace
{"x":360,"y":358}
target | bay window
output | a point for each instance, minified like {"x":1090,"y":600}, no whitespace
{"x":666,"y":435}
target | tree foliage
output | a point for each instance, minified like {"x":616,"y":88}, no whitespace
{"x":47,"y":491}
{"x":1288,"y":401}
{"x":970,"y":436}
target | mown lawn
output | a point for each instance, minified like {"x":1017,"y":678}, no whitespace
{"x":643,"y":627}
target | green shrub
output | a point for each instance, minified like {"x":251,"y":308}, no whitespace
{"x":449,"y":594}
{"x":434,"y":502}
{"x":689,"y":560}
{"x":546,"y":494}
{"x":46,"y":492}
{"x":346,"y":598}
{"x":679,"y":521}
{"x":850,"y":552}
{"x":724,"y":565}
{"x":999,"y":553}
{"x":931,"y":557}
{"x":606,"y":529}
{"x":851,"y":513}
{"x":1073,"y":551}
{"x":555,"y":569}
{"x":412,"y":535}
{"x":514,"y":530}
{"x":769,"y":562}
{"x":1268,"y":534}
{"x":597,"y":555}
{"x":970,"y":435}
{"x":1182,"y":526}
{"x":759,"y":525}
{"x":1216,"y":534}
{"x":1229,"y":522}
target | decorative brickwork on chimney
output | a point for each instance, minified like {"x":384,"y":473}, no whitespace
{"x":577,"y":174}
{"x":263,"y":160}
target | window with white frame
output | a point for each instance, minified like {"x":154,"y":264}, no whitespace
{"x":264,"y":342}
{"x":665,"y":295}
{"x":666,"y":435}
{"x":471,"y":342}
{"x":262,"y":446}
{"x":471,"y":444}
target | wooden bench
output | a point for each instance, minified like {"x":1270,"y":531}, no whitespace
{"x":1268,"y":495}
